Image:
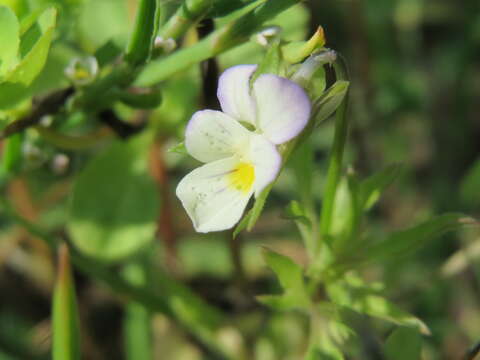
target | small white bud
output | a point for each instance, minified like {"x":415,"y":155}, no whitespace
{"x":265,"y":36}
{"x":312,"y":64}
{"x":59,"y":164}
{"x":166,"y":45}
{"x":82,"y":71}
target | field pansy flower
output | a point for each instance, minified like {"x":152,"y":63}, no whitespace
{"x":239,"y":162}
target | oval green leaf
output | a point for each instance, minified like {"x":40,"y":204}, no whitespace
{"x":114,"y":204}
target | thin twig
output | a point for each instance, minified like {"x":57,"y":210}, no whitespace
{"x":49,"y":105}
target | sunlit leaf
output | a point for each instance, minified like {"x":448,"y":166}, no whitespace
{"x":114,"y":204}
{"x":9,"y":39}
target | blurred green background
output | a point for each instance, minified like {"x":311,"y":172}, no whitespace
{"x":415,"y":72}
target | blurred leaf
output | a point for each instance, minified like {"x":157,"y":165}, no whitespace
{"x":404,"y":343}
{"x":95,"y":28}
{"x":114,"y":205}
{"x":65,"y":323}
{"x":295,"y":212}
{"x":325,"y":351}
{"x":15,"y":85}
{"x":366,"y":303}
{"x":290,"y":276}
{"x":469,"y":188}
{"x":329,"y":101}
{"x":34,"y":60}
{"x":294,"y":24}
{"x":404,"y":242}
{"x":12,"y":153}
{"x":178,"y":149}
{"x":137,"y":323}
{"x":9,"y":38}
{"x":20,"y":7}
{"x":371,"y":188}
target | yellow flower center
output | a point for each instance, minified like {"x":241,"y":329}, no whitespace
{"x":242,"y":177}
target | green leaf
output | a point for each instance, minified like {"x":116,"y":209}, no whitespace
{"x":290,"y":276}
{"x":12,"y":153}
{"x":9,"y":38}
{"x":364,"y":302}
{"x":404,"y":343}
{"x":32,"y":63}
{"x":137,"y":323}
{"x":371,"y":188}
{"x":403,"y":242}
{"x":114,"y":203}
{"x":271,"y":61}
{"x":178,"y":149}
{"x":250,"y":218}
{"x":329,"y":101}
{"x":295,"y":212}
{"x":16,"y":84}
{"x":65,"y":323}
{"x":470,"y":184}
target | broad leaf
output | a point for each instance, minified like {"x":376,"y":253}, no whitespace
{"x":114,"y":204}
{"x":404,"y":343}
{"x":9,"y":39}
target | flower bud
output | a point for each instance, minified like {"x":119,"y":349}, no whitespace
{"x":267,"y":35}
{"x":82,"y":71}
{"x":308,"y":68}
{"x":164,"y":45}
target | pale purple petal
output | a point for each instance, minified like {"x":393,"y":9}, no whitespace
{"x":212,"y":135}
{"x":234,"y":93}
{"x":283,"y":107}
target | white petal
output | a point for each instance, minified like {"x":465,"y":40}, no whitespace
{"x":266,"y":160}
{"x":283,"y":107}
{"x":212,"y":135}
{"x":209,"y":198}
{"x":234,"y":93}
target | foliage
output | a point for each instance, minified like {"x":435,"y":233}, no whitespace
{"x":330,"y":260}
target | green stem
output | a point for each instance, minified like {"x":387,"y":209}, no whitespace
{"x":146,"y":26}
{"x":190,"y":12}
{"x":335,"y":160}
